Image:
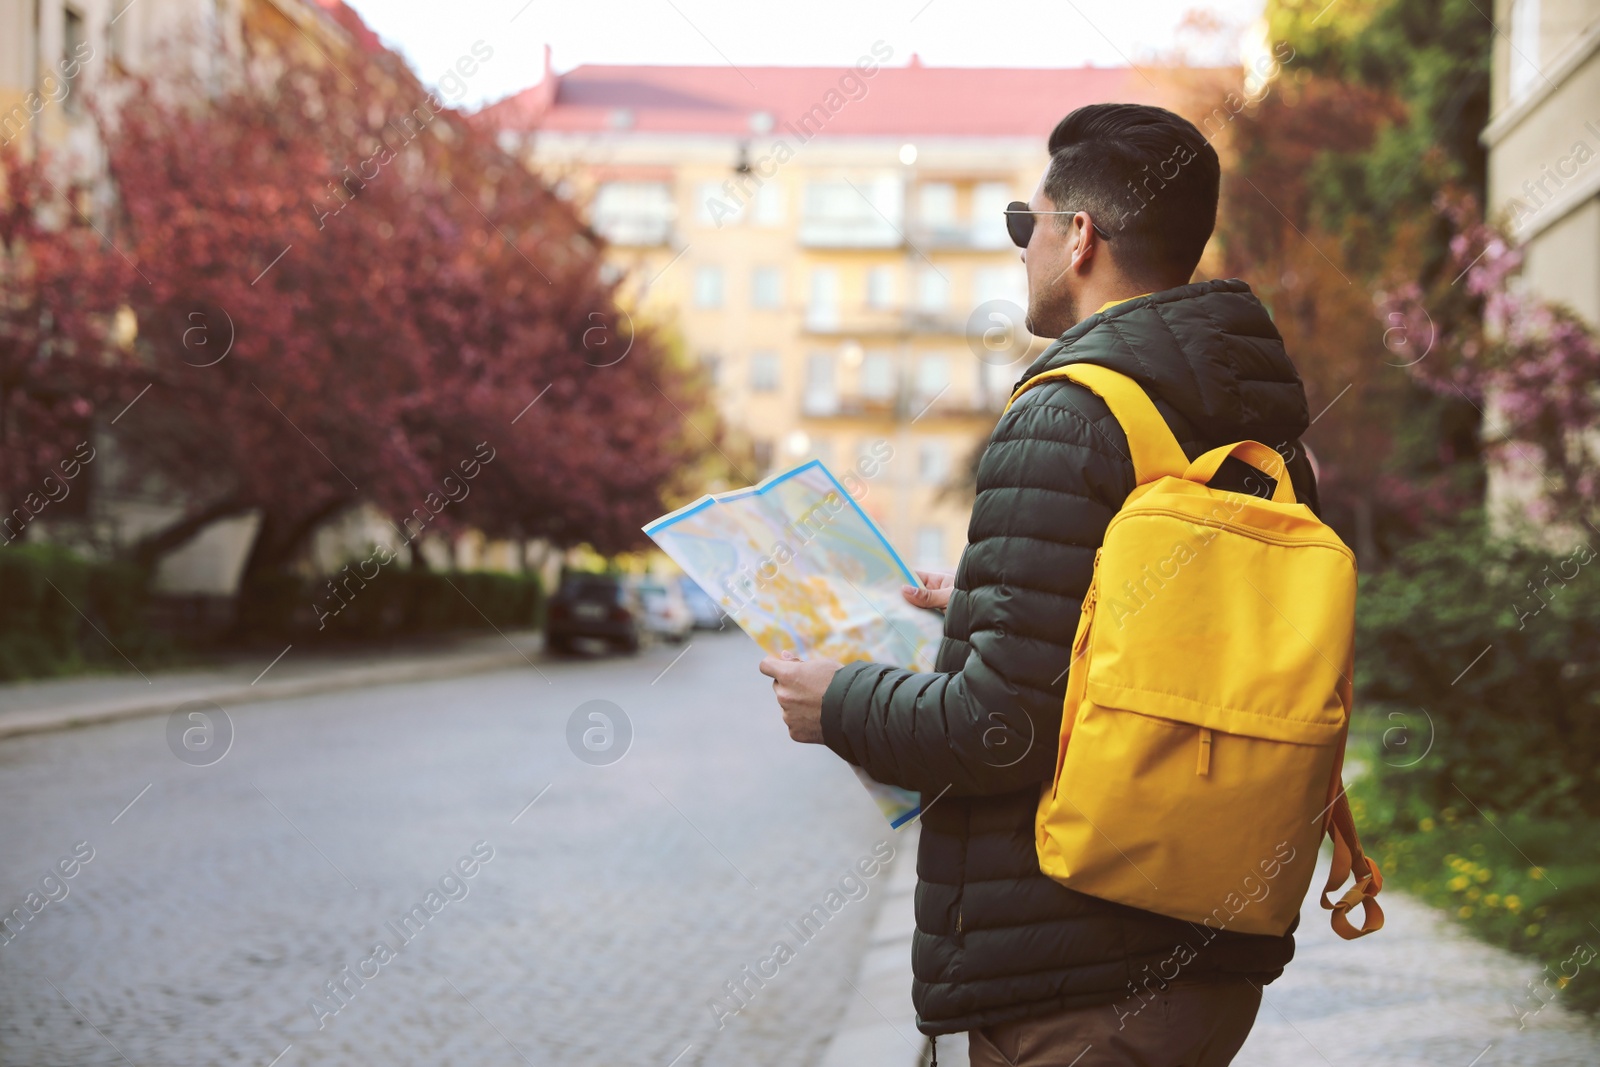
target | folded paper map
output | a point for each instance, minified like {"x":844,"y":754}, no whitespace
{"x":800,"y":567}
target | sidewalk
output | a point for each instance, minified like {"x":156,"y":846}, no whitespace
{"x":54,"y":704}
{"x":1420,"y":991}
{"x":880,"y":1025}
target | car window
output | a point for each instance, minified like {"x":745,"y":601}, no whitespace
{"x":597,"y":587}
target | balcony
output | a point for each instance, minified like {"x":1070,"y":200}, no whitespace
{"x":960,"y":237}
{"x":634,"y":213}
{"x":868,"y":231}
{"x":635,"y":231}
{"x":874,"y":322}
{"x":905,"y":404}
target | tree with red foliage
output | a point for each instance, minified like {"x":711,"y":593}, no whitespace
{"x":350,"y":289}
{"x":1388,"y":454}
{"x":59,"y":287}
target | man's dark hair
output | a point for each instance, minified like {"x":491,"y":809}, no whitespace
{"x":1147,"y":177}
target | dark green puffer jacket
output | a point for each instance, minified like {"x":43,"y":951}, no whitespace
{"x":996,"y":940}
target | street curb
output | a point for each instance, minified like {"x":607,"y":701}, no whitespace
{"x":879,"y":1025}
{"x":43,"y":720}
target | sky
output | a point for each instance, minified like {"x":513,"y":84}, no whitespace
{"x":963,"y":33}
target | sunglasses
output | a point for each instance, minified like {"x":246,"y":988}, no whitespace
{"x":1020,"y":222}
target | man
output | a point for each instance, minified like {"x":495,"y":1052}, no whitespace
{"x":1037,"y":973}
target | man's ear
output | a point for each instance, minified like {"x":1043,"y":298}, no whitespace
{"x":1083,"y":242}
{"x":1090,"y":242}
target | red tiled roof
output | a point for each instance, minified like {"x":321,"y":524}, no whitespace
{"x":899,"y":100}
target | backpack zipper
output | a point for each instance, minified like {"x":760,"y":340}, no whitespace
{"x":1094,"y":582}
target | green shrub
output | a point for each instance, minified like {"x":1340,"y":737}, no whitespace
{"x":1514,"y":697}
{"x":63,"y":613}
{"x":398,"y":603}
{"x":43,"y":634}
{"x":1484,"y":792}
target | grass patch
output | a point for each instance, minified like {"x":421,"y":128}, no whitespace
{"x":1528,"y":884}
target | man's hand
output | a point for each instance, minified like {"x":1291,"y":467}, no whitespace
{"x":799,"y":685}
{"x":940,"y":584}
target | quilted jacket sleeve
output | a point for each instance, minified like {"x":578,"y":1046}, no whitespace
{"x":1054,"y":473}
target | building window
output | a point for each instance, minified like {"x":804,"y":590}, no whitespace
{"x":708,"y":287}
{"x":859,"y":214}
{"x":822,"y":448}
{"x":936,"y":205}
{"x":766,"y":288}
{"x":989,"y":200}
{"x":713,"y":368}
{"x":769,"y":205}
{"x":823,"y":311}
{"x":877,"y":376}
{"x":761,"y":451}
{"x":880,"y":288}
{"x":822,"y":395}
{"x":715,"y":207}
{"x":1523,"y":44}
{"x":995,"y":382}
{"x":930,"y":548}
{"x":933,"y":377}
{"x":74,"y":32}
{"x":933,"y":462}
{"x":766,"y":372}
{"x":933,"y":290}
{"x":1001,"y":283}
{"x":633,"y":213}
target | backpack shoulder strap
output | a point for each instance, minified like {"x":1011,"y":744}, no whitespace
{"x":1156,"y":452}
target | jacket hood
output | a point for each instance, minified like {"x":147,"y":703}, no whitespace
{"x":1208,"y":349}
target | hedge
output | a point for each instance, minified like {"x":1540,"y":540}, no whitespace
{"x":43,"y":634}
{"x":93,"y":611}
{"x":394,"y":602}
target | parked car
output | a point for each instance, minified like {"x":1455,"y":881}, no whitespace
{"x":706,"y":611}
{"x":599,"y":607}
{"x":665,"y":612}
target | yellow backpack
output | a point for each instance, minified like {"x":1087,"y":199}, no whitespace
{"x":1208,"y":697}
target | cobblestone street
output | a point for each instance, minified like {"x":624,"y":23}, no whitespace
{"x":606,"y":907}
{"x":216,"y":907}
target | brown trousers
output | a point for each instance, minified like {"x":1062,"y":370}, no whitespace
{"x":1197,"y":1024}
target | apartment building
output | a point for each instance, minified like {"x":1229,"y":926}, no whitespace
{"x":829,"y":242}
{"x":1543,"y":140}
{"x":53,"y":53}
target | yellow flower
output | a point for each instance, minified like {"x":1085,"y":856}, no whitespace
{"x":1474,"y":893}
{"x":1483,"y":874}
{"x":1532,"y":929}
{"x":1513,"y":903}
{"x":1536,"y":873}
{"x":1465,"y":911}
{"x":1492,"y":900}
{"x":1425,"y":825}
{"x":1561,"y":983}
{"x":1458,"y":883}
